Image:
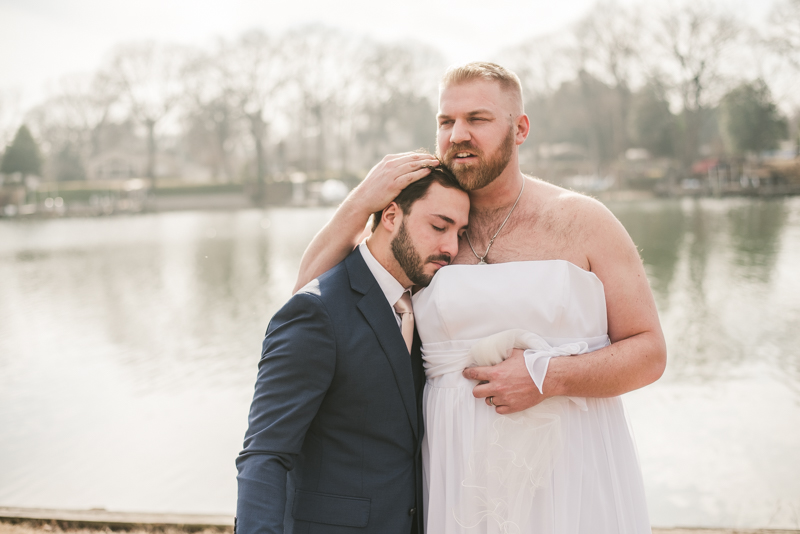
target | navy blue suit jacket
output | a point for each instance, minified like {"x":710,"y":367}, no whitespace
{"x":333,"y":444}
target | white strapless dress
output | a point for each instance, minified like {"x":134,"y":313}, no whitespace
{"x":567,"y":466}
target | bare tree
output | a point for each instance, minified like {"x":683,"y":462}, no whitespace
{"x":253,"y":70}
{"x":785,"y":30}
{"x":73,"y":119}
{"x":543,"y":65}
{"x":695,"y":41}
{"x":346,"y":101}
{"x":324,"y":70}
{"x":564,"y":92}
{"x":10,"y":116}
{"x":148,"y":75}
{"x":779,"y":57}
{"x":609,"y":38}
{"x":397,"y":78}
{"x":594,"y":93}
{"x":212,"y":110}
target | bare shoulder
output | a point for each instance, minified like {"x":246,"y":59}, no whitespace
{"x":585,"y":215}
{"x":584,"y":206}
{"x":592,"y":231}
{"x":605,"y":240}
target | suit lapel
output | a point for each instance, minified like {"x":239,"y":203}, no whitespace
{"x":378,"y":313}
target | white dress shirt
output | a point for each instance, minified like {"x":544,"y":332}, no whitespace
{"x":391,"y":288}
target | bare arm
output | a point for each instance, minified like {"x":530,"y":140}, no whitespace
{"x":347,"y":227}
{"x":636,"y":356}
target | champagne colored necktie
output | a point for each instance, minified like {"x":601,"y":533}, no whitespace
{"x":406,"y":313}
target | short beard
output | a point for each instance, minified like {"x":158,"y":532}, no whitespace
{"x":410,"y":260}
{"x":485,"y":172}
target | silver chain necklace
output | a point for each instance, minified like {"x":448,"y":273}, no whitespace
{"x":482,"y":259}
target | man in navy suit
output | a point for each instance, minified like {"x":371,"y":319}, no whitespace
{"x":333,"y":444}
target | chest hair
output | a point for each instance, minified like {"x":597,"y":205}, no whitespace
{"x":533,"y":232}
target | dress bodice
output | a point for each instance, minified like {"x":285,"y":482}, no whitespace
{"x":555,"y":299}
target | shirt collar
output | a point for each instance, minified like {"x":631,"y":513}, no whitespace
{"x":391,"y":288}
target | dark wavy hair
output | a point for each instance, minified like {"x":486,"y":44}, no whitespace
{"x":417,"y":190}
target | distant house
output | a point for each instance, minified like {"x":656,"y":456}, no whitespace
{"x":115,"y":165}
{"x":12,"y":192}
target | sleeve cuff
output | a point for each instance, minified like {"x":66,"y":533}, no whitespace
{"x":537,"y":362}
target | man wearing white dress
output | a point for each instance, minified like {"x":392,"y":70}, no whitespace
{"x":514,"y":218}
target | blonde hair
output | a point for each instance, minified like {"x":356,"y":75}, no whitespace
{"x":480,"y":70}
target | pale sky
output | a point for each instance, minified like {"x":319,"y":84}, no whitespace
{"x":43,"y":40}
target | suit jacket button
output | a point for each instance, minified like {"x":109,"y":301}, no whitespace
{"x":412,"y":511}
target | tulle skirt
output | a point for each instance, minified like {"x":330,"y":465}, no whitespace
{"x":558,"y":468}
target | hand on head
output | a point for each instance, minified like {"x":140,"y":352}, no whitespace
{"x":390,"y":176}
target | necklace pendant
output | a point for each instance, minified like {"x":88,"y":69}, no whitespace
{"x":482,"y":259}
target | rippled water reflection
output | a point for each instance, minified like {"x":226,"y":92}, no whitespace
{"x":128,"y":349}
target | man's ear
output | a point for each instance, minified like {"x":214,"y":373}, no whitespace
{"x":391,"y":217}
{"x":523,"y":125}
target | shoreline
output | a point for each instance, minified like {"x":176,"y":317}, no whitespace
{"x":238,"y":201}
{"x":18,"y":520}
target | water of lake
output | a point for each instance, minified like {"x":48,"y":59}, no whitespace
{"x":128,"y":352}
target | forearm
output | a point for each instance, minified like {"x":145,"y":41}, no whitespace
{"x":621,"y":367}
{"x":333,"y":243}
{"x":261,"y":501}
{"x":382,"y":184}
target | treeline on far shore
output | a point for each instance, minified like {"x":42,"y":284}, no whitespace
{"x":675,"y":99}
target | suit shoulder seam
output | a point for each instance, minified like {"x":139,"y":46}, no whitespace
{"x":329,"y":321}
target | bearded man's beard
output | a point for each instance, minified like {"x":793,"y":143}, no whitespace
{"x":410,"y":260}
{"x":477,"y":176}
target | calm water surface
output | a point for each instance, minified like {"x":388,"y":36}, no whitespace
{"x":128,"y":352}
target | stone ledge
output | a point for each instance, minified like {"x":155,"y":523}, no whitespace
{"x":46,"y":520}
{"x":99,"y":518}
